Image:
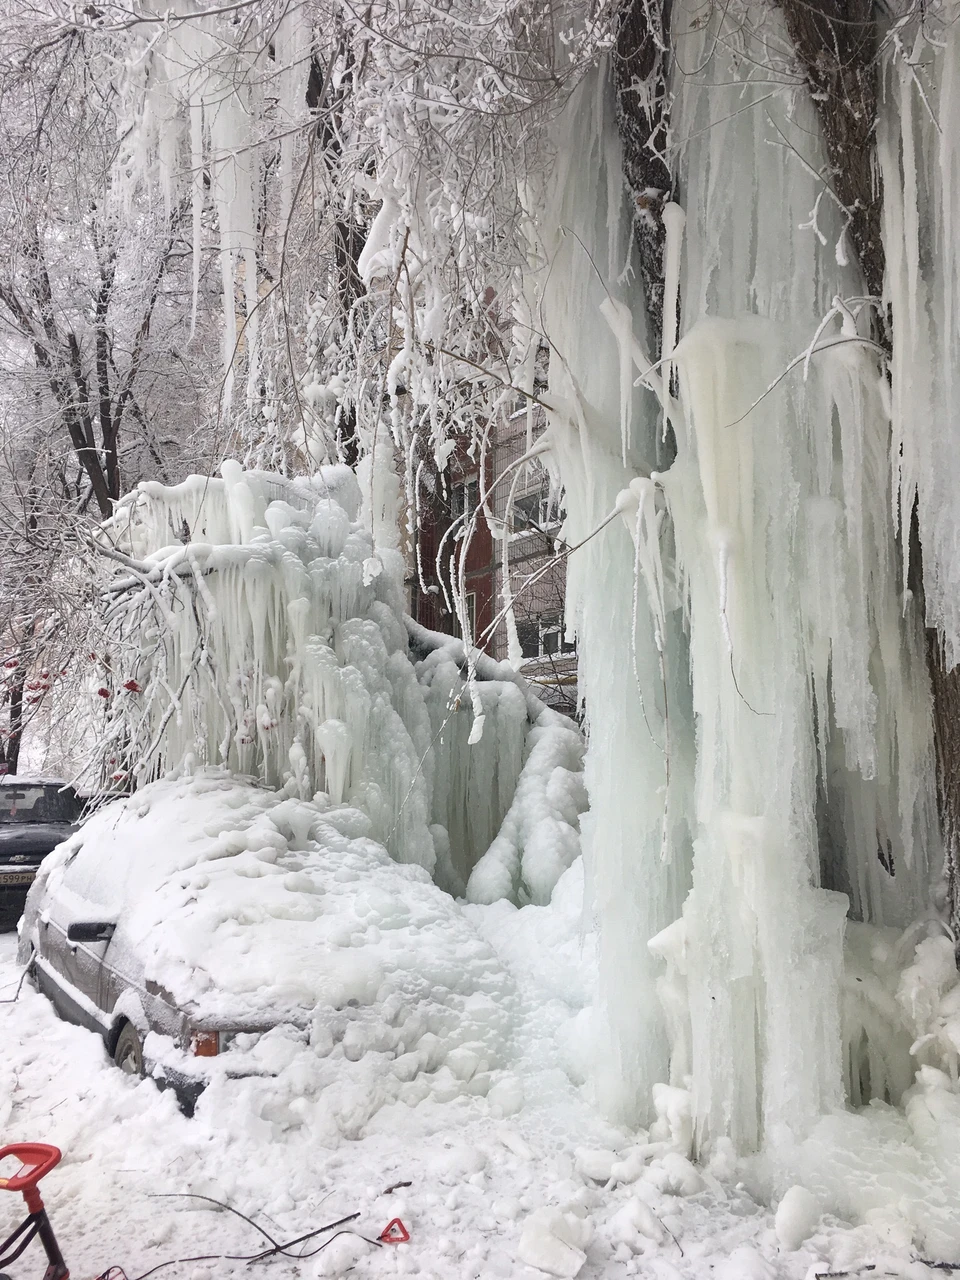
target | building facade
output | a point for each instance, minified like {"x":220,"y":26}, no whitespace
{"x":529,"y":559}
{"x":520,"y":549}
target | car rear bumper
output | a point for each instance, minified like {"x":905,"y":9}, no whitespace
{"x":165,"y":1061}
{"x":187,"y":1089}
{"x":14,"y":884}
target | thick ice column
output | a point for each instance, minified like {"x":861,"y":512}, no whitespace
{"x":764,"y":946}
{"x":600,"y":445}
{"x":800,"y":648}
{"x":919,"y":151}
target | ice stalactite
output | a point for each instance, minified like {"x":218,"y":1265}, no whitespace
{"x":196,"y":93}
{"x":777,"y":580}
{"x":919,"y":155}
{"x":260,"y":627}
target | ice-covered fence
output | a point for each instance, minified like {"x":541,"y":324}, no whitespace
{"x":258,"y":627}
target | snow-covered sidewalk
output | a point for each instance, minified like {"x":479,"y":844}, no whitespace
{"x":477,"y":1167}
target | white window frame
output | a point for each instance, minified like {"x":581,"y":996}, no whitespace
{"x":470,"y":609}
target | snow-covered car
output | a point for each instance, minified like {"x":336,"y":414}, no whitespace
{"x":35,"y":815}
{"x":205,"y":927}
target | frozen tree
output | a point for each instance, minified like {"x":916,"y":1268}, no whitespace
{"x":100,"y":385}
{"x":732,"y":227}
{"x":89,"y":292}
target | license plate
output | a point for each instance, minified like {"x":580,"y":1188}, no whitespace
{"x":16,"y":877}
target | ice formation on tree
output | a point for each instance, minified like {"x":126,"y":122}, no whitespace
{"x":919,"y":153}
{"x":760,"y":562}
{"x":261,"y":628}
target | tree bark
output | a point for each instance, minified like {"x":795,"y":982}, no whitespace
{"x":640,"y":78}
{"x":15,"y":733}
{"x":946,"y":735}
{"x":836,"y":43}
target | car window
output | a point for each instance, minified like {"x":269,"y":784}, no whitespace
{"x":86,"y":885}
{"x":38,"y":804}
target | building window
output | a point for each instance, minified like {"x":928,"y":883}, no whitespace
{"x":528,"y":633}
{"x":553,"y":642}
{"x":464,"y":498}
{"x":537,"y":510}
{"x":543,"y":637}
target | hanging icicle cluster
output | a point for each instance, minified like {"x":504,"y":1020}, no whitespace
{"x":919,"y":151}
{"x":260,"y":628}
{"x":374,"y":179}
{"x":214,"y":102}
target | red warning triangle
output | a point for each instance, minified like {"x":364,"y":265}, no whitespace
{"x":394,"y":1233}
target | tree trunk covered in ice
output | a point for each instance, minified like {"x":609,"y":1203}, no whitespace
{"x":640,"y":69}
{"x":836,"y":42}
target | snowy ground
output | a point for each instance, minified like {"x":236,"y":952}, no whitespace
{"x":477,"y":1166}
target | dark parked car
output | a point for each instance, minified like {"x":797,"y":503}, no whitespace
{"x":35,"y":815}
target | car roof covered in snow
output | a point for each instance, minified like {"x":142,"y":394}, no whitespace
{"x":31,"y":780}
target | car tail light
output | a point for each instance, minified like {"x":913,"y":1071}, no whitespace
{"x":205,"y":1044}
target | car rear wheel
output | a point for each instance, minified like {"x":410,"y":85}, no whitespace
{"x":128,"y":1055}
{"x":31,"y":977}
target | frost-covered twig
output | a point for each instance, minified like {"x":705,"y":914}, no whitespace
{"x":802,"y":359}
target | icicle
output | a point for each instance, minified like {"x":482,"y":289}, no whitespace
{"x":674,"y":220}
{"x":292,"y":42}
{"x":598,"y":416}
{"x":632,"y":355}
